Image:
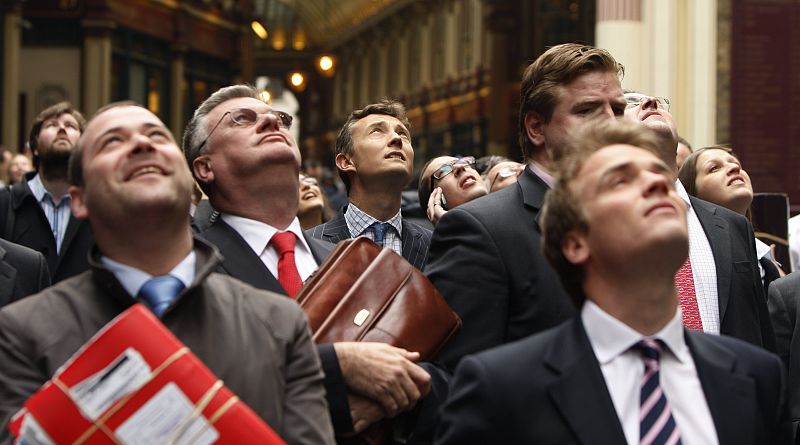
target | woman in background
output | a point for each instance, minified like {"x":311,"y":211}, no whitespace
{"x":715,"y":174}
{"x":313,"y":209}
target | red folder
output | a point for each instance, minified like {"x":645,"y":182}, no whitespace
{"x":135,"y":383}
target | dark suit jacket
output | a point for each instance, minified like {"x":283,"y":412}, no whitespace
{"x":239,"y":261}
{"x":23,"y":271}
{"x":415,"y":239}
{"x":549,"y":389}
{"x":784,"y":309}
{"x":31,"y":229}
{"x":743,"y":309}
{"x":486,"y":260}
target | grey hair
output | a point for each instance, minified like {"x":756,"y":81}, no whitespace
{"x":197,"y":129}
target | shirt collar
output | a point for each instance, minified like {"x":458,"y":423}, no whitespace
{"x":257,"y":234}
{"x":542,"y":174}
{"x":358,"y":221}
{"x":681,"y":191}
{"x":132,"y":279}
{"x":610,"y":337}
{"x":39,"y":192}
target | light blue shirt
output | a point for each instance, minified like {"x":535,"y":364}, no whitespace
{"x":58,"y":215}
{"x":132,"y":279}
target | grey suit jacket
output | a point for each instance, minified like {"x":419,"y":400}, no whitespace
{"x":23,"y":272}
{"x":784,"y":309}
{"x":415,"y":239}
{"x":549,"y":389}
{"x":257,"y":342}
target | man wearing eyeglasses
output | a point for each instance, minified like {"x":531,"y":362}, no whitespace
{"x":246,"y":161}
{"x":375,"y":160}
{"x":485,"y":255}
{"x":719,"y":286}
{"x":447,"y":182}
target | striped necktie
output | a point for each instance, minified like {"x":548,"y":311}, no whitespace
{"x":656,"y":424}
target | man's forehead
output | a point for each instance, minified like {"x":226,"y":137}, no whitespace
{"x":591,"y":83}
{"x":613,"y":156}
{"x":128,"y":116}
{"x":62,"y":116}
{"x":376,"y":119}
{"x":241,"y":102}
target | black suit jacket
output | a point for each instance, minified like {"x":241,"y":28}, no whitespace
{"x":23,"y":272}
{"x":784,"y":309}
{"x":415,"y":239}
{"x":239,"y":261}
{"x":31,"y":229}
{"x":486,"y":260}
{"x":549,"y":389}
{"x":743,"y":309}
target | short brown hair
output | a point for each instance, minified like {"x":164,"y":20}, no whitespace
{"x":49,"y":112}
{"x":558,"y":65}
{"x":562,"y":213}
{"x":344,"y":140}
{"x":425,"y":185}
{"x":75,"y":167}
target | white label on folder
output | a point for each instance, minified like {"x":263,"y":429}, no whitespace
{"x":124,"y":375}
{"x":167,"y":418}
{"x":32,"y":433}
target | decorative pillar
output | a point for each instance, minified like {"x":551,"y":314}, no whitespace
{"x":501,"y":21}
{"x":619,"y":30}
{"x":12,"y":16}
{"x":177,"y":74}
{"x":96,"y":64}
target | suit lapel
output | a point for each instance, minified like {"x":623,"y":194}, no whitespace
{"x":335,"y":230}
{"x":8,"y":277}
{"x":533,"y":190}
{"x":410,"y":239}
{"x":319,"y":249}
{"x":239,"y":260}
{"x":73,"y":226}
{"x":580,"y":394}
{"x":716,"y":230}
{"x":727,"y":392}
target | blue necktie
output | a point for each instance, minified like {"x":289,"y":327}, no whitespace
{"x":159,"y":292}
{"x":380,"y":231}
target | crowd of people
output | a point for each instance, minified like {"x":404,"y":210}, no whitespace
{"x":611,"y":287}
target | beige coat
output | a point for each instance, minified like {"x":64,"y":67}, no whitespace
{"x":256,"y":341}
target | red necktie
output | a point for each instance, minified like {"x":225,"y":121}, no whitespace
{"x":288,"y":275}
{"x":684,"y":283}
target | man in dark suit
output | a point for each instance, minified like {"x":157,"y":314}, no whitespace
{"x":728,"y":293}
{"x":625,"y":370}
{"x":23,"y":272}
{"x":484,"y":255}
{"x":127,"y":167}
{"x":784,"y":310}
{"x":247,"y":163}
{"x":36,"y":212}
{"x":376,"y":161}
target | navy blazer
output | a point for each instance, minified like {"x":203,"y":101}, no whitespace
{"x":23,"y":272}
{"x":548,"y":388}
{"x":31,"y":229}
{"x":415,"y":239}
{"x":486,"y":261}
{"x":241,"y":262}
{"x":784,"y":309}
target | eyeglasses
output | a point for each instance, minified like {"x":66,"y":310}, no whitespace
{"x":309,"y":181}
{"x":446,"y":169}
{"x":635,"y":99}
{"x":504,"y":173}
{"x":244,"y":117}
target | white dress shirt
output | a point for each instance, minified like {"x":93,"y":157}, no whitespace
{"x":258,"y":235}
{"x":132,"y":279}
{"x":704,"y":269}
{"x":623,"y":368}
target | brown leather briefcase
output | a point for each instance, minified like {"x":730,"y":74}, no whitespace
{"x":365,"y":293}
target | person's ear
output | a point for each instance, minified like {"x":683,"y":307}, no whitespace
{"x":534,"y":127}
{"x":575,"y":248}
{"x":78,"y":202}
{"x":201,"y":167}
{"x":345,"y":164}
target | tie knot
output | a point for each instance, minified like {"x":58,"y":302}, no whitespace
{"x":283,"y":242}
{"x":159,"y":292}
{"x":649,"y":348}
{"x":380,"y":229}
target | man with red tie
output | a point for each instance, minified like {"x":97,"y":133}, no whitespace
{"x":624,"y":370}
{"x":719,"y":285}
{"x":245,"y":159}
